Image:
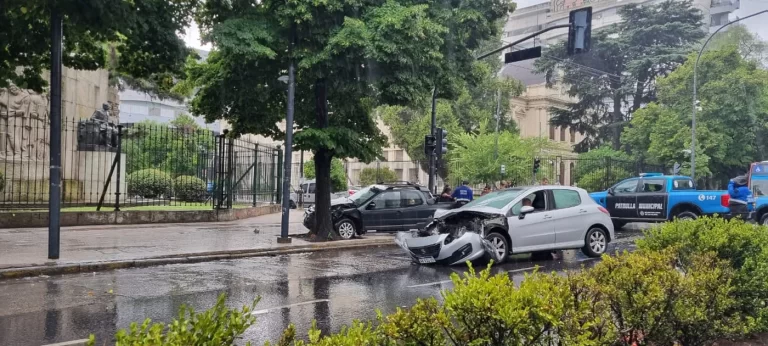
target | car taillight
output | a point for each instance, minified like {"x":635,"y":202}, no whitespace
{"x":603,"y":210}
{"x":351,"y":192}
{"x":725,"y":200}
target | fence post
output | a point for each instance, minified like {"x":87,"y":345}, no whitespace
{"x":608,"y":163}
{"x":377,"y":171}
{"x":255,"y":171}
{"x":119,"y":165}
{"x":230,"y":168}
{"x":279,"y":187}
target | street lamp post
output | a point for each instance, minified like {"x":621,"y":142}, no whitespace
{"x":284,"y":238}
{"x":695,"y":101}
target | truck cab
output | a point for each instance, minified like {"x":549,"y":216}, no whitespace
{"x":758,"y":183}
{"x":655,"y":197}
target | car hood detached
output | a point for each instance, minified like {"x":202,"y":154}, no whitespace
{"x":341,"y":201}
{"x":478,"y":210}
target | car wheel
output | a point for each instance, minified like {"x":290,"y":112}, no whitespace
{"x":292,"y":205}
{"x":346,"y":229}
{"x":596,"y":242}
{"x":617,"y":225}
{"x":686,"y":215}
{"x":764,"y":220}
{"x":500,"y":248}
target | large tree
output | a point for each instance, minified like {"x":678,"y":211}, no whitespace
{"x":351,"y":57}
{"x":140,"y":35}
{"x":618,"y":75}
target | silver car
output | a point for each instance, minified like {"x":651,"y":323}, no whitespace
{"x":535,"y":219}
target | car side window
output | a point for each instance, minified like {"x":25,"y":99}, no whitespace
{"x":682,"y":184}
{"x":537,"y":200}
{"x":653,"y":185}
{"x":311,"y":188}
{"x":387,"y":200}
{"x":629,"y":186}
{"x":566,"y":198}
{"x":303,"y":188}
{"x":409,"y":198}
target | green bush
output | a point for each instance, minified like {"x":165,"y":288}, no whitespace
{"x":190,"y":189}
{"x":218,"y":325}
{"x":149,"y":183}
{"x":742,"y":245}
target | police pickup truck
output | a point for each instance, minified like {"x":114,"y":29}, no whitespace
{"x":655,"y":197}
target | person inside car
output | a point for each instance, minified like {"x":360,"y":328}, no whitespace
{"x":463,"y":192}
{"x":445,"y":196}
{"x":740,"y":195}
{"x":527,"y":202}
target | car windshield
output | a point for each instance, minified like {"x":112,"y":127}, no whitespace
{"x":760,"y":188}
{"x":496,"y":199}
{"x":363,"y":195}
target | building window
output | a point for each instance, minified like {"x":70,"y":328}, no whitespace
{"x":413,"y":174}
{"x":562,"y":173}
{"x":399,"y":174}
{"x":573,"y":135}
{"x":399,"y":155}
{"x":551,"y":132}
{"x":562,"y":134}
{"x":570,"y":173}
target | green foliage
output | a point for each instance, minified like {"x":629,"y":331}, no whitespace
{"x":591,"y":171}
{"x":189,"y":189}
{"x":372,"y":175}
{"x":743,"y":246}
{"x":338,"y":174}
{"x":181,"y":148}
{"x":617,"y":76}
{"x":473,"y":157}
{"x":149,"y":183}
{"x":140,"y":34}
{"x":217,"y":326}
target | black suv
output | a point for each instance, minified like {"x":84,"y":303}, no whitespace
{"x":381,"y":208}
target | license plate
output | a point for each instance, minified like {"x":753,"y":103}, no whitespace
{"x":425,"y":260}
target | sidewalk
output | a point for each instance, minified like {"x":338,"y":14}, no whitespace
{"x":24,"y":251}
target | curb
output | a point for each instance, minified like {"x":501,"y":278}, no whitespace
{"x":71,"y":268}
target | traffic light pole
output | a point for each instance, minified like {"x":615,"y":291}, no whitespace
{"x":433,"y":131}
{"x":495,"y":51}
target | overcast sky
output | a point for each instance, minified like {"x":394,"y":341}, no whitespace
{"x":757,"y":25}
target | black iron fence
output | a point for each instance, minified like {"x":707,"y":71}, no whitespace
{"x":590,"y":174}
{"x":142,"y":164}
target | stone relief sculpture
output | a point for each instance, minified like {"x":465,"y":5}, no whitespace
{"x":23,"y":124}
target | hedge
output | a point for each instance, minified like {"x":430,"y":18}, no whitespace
{"x":149,"y":183}
{"x":681,"y":287}
{"x":189,"y":189}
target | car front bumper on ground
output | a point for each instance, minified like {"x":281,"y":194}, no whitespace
{"x":442,"y":250}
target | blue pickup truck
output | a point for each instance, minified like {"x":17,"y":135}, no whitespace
{"x":655,"y":197}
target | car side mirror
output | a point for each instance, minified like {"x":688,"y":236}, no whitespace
{"x":611,"y":191}
{"x":525,"y":210}
{"x":370,"y":206}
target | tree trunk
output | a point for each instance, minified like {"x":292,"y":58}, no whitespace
{"x":323,"y":156}
{"x":618,"y":118}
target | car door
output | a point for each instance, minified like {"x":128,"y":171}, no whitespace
{"x":652,"y":199}
{"x":383,"y":212}
{"x":570,"y":218}
{"x":621,"y":202}
{"x":413,"y":209}
{"x":535,"y":231}
{"x":309,"y":193}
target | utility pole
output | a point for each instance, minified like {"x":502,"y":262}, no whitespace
{"x":286,"y":200}
{"x":695,"y":101}
{"x":54,"y":189}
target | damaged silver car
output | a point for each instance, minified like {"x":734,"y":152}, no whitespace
{"x":536,"y":219}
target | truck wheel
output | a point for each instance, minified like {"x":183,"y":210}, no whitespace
{"x":501,"y":247}
{"x":686,"y":215}
{"x":346,"y":229}
{"x":617,"y":225}
{"x":764,"y":220}
{"x":595,"y":243}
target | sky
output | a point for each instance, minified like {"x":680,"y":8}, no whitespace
{"x":757,"y":24}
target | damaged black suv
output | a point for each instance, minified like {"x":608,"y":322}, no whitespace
{"x":381,"y":208}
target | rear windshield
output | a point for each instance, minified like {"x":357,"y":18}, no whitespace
{"x":496,"y":199}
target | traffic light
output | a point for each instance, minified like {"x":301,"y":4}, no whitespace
{"x":442,"y":142}
{"x":580,"y":31}
{"x":429,"y":145}
{"x":536,"y":165}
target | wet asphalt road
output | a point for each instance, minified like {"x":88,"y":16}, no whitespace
{"x":333,"y":288}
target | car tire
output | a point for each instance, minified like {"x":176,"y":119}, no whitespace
{"x":595,"y":243}
{"x":501,"y":244}
{"x":686,"y":215}
{"x":764,"y":220}
{"x":346,"y":229}
{"x":541,"y":255}
{"x":617,"y":225}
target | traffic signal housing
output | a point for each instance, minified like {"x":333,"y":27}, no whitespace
{"x":442,"y":142}
{"x":580,"y":31}
{"x":429,"y":145}
{"x":536,"y":165}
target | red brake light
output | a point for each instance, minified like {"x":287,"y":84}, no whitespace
{"x":603,"y":210}
{"x":725,"y":200}
{"x":351,"y":192}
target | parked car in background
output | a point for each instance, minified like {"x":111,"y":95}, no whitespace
{"x":305,"y":194}
{"x":381,"y":208}
{"x":536,"y":219}
{"x":655,"y":197}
